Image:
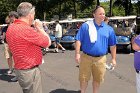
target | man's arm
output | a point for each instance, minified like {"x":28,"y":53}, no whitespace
{"x":77,"y":51}
{"x":135,"y":46}
{"x":113,"y":54}
{"x":40,"y":29}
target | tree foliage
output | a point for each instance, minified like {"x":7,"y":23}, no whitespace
{"x":46,"y":9}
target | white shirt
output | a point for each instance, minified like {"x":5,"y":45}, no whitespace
{"x":58,"y":30}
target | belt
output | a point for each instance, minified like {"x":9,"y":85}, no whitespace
{"x":29,"y":68}
{"x":137,"y":71}
{"x":93,"y":55}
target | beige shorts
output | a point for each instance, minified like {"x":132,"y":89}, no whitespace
{"x":7,"y":52}
{"x":92,"y":65}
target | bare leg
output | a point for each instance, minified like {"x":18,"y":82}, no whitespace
{"x":59,"y":45}
{"x":83,"y":86}
{"x":10,"y":63}
{"x":96,"y":86}
{"x":54,"y":44}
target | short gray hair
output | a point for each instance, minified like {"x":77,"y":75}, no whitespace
{"x":25,"y":8}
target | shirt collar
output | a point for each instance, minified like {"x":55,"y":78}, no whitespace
{"x":18,"y":21}
{"x":102,"y":24}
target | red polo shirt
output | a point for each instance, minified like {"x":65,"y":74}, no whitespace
{"x":25,"y":44}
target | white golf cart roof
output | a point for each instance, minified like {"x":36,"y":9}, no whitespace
{"x":123,"y":17}
{"x":66,"y":21}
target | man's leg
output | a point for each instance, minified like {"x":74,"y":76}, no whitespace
{"x":59,"y":45}
{"x":84,"y":71}
{"x":9,"y":59}
{"x":56,"y":47}
{"x":10,"y":63}
{"x":29,"y":80}
{"x":83,"y":86}
{"x":138,"y":82}
{"x":37,"y":81}
{"x":98,"y":72}
{"x":96,"y":86}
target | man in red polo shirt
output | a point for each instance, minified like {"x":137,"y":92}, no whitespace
{"x":25,"y":43}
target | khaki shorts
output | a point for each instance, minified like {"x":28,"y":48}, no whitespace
{"x":7,"y":52}
{"x":92,"y":65}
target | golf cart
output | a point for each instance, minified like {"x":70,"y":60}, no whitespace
{"x":69,"y":31}
{"x":70,"y":28}
{"x":124,"y":32}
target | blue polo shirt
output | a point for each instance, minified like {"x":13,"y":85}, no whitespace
{"x":105,"y":37}
{"x":137,"y":54}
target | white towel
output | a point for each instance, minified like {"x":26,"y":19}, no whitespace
{"x":92,"y":31}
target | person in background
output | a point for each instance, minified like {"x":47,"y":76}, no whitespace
{"x":13,"y":16}
{"x":7,"y":52}
{"x":93,"y":38}
{"x":25,"y":43}
{"x":46,"y":29}
{"x":58,"y":36}
{"x":9,"y":19}
{"x":136,"y":47}
{"x":133,"y":26}
{"x":106,"y":20}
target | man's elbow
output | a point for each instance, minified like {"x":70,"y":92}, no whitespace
{"x":135,"y":47}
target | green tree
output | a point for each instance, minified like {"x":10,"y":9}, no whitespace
{"x":98,"y":2}
{"x":5,"y":8}
{"x":46,"y":9}
{"x":126,"y":4}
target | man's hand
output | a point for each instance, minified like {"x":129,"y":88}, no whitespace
{"x":113,"y":62}
{"x":38,"y":25}
{"x":77,"y":58}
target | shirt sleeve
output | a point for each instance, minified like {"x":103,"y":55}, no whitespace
{"x":112,"y":37}
{"x":79,"y":35}
{"x":137,"y":40}
{"x":35,"y":37}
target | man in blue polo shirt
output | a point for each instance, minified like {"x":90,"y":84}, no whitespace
{"x":94,"y":37}
{"x":136,"y":47}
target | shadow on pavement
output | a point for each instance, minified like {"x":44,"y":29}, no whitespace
{"x":5,"y":77}
{"x":64,"y":91}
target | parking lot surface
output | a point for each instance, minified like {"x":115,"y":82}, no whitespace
{"x":60,"y":75}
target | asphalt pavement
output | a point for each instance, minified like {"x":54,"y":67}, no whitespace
{"x":60,"y":75}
